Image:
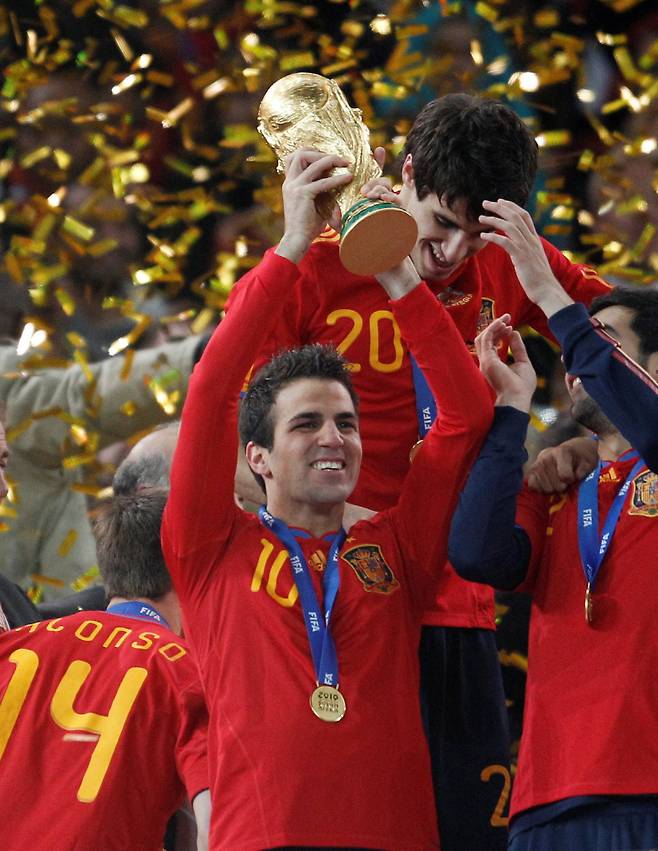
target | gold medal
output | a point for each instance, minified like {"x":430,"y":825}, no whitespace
{"x":588,"y":604}
{"x":414,"y":449}
{"x":328,"y":703}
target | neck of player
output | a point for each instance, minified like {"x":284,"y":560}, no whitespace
{"x":167,"y":606}
{"x":612,"y":445}
{"x":318,"y":519}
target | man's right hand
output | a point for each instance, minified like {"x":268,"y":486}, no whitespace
{"x":512,"y":383}
{"x":558,"y":467}
{"x":306,"y":178}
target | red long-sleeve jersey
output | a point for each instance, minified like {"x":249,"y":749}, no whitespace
{"x":102,"y":730}
{"x":279,"y":775}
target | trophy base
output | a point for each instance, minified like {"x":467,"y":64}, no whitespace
{"x":375,"y":236}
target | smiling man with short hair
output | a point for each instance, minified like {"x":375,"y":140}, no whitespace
{"x":307,"y":633}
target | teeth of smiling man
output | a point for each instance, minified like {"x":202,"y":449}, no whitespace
{"x":328,"y":465}
{"x":435,"y":251}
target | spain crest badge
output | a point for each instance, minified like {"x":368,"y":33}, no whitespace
{"x":367,"y":561}
{"x":644,"y":497}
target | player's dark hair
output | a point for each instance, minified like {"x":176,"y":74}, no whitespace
{"x":469,"y":147}
{"x":148,"y":471}
{"x":644,"y":304}
{"x":128,"y":545}
{"x":313,"y":361}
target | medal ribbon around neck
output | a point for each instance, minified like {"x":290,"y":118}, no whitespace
{"x":323,"y":649}
{"x":137,"y":609}
{"x":426,"y":408}
{"x":592,"y":548}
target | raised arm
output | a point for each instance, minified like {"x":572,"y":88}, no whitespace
{"x":439,"y":469}
{"x":485,"y":544}
{"x":99,"y":395}
{"x":626,"y":392}
{"x":200,"y":511}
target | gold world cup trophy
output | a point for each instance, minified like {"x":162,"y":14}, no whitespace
{"x":309,"y":111}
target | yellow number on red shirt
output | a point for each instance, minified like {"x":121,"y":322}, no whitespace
{"x":26,"y":662}
{"x":377,"y":317}
{"x":108,"y":727}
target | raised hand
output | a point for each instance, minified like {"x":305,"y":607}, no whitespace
{"x":558,"y":467}
{"x":307,"y":176}
{"x":379,"y":188}
{"x":515,"y":233}
{"x":513,"y":383}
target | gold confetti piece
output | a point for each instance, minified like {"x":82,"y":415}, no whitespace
{"x":127,"y":366}
{"x":121,"y":42}
{"x":126,"y":83}
{"x":68,"y":543}
{"x":76,"y":340}
{"x":7,"y":511}
{"x":35,"y":156}
{"x":98,"y":249}
{"x":638,"y":250}
{"x":45,"y":580}
{"x":174,"y":115}
{"x":130,"y":339}
{"x":72,"y":462}
{"x":562,"y":213}
{"x":586,"y":219}
{"x":160,"y":78}
{"x":545,"y":197}
{"x":635,"y":204}
{"x":81,"y":359}
{"x":90,"y":576}
{"x":78,"y":229}
{"x":476,"y":52}
{"x":610,"y":40}
{"x":411,"y":30}
{"x":484,"y":10}
{"x":66,"y":301}
{"x":569,"y":42}
{"x":553,"y":138}
{"x":44,"y":228}
{"x":217,"y":87}
{"x":557,"y":230}
{"x":627,"y":67}
{"x":221,"y":38}
{"x":204,"y":318}
{"x":649,"y":57}
{"x":128,"y":408}
{"x":546,"y":18}
{"x":42,"y":276}
{"x":337,"y":67}
{"x":292,"y":61}
{"x":381,"y":25}
{"x":124,"y":16}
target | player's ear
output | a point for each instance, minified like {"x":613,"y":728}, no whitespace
{"x":408,"y":172}
{"x":258,"y":459}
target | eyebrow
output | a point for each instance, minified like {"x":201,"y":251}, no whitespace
{"x":314,"y":415}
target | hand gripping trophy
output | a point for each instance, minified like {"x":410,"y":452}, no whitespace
{"x":309,"y":111}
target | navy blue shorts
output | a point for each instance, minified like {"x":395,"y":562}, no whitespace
{"x":465,"y":718}
{"x":624,"y":825}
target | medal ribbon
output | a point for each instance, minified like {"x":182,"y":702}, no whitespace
{"x":426,"y":409}
{"x":592,"y":548}
{"x":137,"y":609}
{"x":323,"y":649}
